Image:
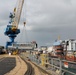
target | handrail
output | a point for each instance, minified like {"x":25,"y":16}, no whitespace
{"x":69,"y":61}
{"x":60,"y":66}
{"x":64,"y":60}
{"x":62,"y":69}
{"x":69,"y":72}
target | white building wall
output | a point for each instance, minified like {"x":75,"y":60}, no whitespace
{"x":72,"y":45}
{"x":69,"y":47}
{"x":75,"y":46}
{"x":50,"y":49}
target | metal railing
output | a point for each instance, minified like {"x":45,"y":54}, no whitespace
{"x":58,"y":63}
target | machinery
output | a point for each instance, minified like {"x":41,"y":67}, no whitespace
{"x":12,"y":28}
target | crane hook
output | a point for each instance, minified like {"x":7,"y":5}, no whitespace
{"x":24,"y":24}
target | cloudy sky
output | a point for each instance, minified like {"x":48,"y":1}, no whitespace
{"x":45,"y":20}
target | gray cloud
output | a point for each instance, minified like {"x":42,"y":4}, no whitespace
{"x":45,"y":19}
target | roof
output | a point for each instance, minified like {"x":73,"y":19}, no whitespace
{"x":57,"y":43}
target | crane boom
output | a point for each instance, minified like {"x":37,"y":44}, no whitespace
{"x":17,"y":12}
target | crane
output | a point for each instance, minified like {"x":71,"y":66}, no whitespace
{"x":12,"y":28}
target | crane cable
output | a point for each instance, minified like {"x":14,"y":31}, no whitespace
{"x":24,"y":36}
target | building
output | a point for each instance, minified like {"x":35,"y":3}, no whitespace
{"x":69,"y":45}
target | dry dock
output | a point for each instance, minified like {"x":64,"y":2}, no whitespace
{"x":26,"y":64}
{"x":20,"y":67}
{"x":14,"y":65}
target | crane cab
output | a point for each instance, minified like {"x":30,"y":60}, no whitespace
{"x":13,"y":28}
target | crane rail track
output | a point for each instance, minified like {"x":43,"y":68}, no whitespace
{"x":30,"y":69}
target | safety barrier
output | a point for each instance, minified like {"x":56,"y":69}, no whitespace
{"x":63,"y":66}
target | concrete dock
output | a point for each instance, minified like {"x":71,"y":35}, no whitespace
{"x":16,"y":66}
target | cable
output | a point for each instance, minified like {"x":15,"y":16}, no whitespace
{"x":23,"y":37}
